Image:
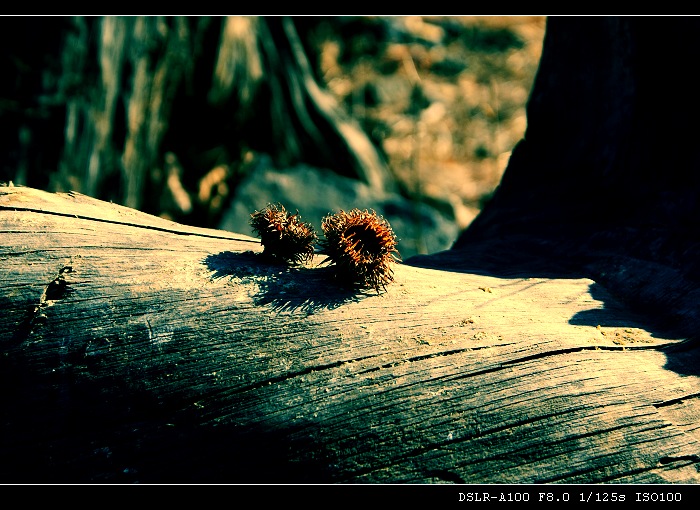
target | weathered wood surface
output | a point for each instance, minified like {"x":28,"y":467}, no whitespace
{"x":134,"y":349}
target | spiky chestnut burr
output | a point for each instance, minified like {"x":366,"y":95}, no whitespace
{"x":285,"y":238}
{"x":361,"y":246}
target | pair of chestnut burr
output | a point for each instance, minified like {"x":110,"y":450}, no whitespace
{"x":359,"y":244}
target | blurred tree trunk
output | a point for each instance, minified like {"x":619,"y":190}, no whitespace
{"x":115,"y":131}
{"x":130,"y":108}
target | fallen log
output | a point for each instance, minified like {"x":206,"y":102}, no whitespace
{"x":135,"y":349}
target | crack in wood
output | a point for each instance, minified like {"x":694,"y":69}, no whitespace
{"x":559,"y":352}
{"x":56,"y":289}
{"x":675,"y":401}
{"x":418,"y":358}
{"x":670,"y":459}
{"x":129,"y":224}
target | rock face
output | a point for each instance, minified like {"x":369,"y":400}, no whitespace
{"x":315,"y":193}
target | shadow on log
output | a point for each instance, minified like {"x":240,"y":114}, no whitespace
{"x":138,"y":350}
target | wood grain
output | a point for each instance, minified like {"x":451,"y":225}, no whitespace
{"x":135,"y":349}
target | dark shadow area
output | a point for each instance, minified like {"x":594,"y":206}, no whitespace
{"x":284,"y":288}
{"x":514,"y":257}
{"x":610,"y":315}
{"x":615,"y":315}
{"x":128,"y":436}
{"x":684,"y":357}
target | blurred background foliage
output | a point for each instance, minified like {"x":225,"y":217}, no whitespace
{"x":204,"y":119}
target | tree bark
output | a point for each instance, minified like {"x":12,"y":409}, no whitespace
{"x":135,"y":349}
